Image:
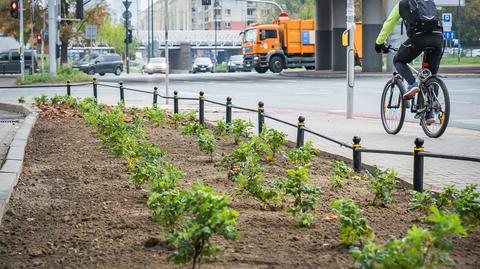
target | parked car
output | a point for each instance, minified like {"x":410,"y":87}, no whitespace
{"x":10,"y":62}
{"x":202,"y":64}
{"x":235,"y":63}
{"x":475,"y":53}
{"x":156,"y":65}
{"x":101,"y":64}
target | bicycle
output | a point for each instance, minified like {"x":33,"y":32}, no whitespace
{"x":433,"y":97}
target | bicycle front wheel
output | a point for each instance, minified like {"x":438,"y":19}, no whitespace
{"x":392,"y":108}
{"x":435,"y":119}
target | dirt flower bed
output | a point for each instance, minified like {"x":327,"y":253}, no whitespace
{"x":75,"y":207}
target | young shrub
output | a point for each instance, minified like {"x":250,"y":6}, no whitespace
{"x":207,"y":143}
{"x":178,"y":119}
{"x":193,"y":128}
{"x":191,"y":117}
{"x":232,"y":163}
{"x":206,"y":213}
{"x":41,"y":100}
{"x":167,"y":206}
{"x":240,"y":128}
{"x":21,"y":99}
{"x":420,"y":248}
{"x":341,"y":172}
{"x":466,"y":203}
{"x":220,"y":129}
{"x":354,"y":228}
{"x":251,"y":183}
{"x":305,"y":195}
{"x":155,"y":116}
{"x":383,"y":184}
{"x":275,"y":141}
{"x":302,"y":156}
{"x":421,"y":201}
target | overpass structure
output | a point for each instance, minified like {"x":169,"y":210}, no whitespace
{"x":203,"y":39}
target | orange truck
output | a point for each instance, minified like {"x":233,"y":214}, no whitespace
{"x":285,"y":43}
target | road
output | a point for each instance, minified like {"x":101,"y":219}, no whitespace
{"x":278,"y":92}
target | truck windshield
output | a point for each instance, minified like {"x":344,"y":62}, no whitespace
{"x":250,"y":35}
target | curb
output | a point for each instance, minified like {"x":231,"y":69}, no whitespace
{"x":12,"y":168}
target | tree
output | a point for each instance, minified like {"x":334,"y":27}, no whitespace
{"x":10,"y":26}
{"x":114,"y":35}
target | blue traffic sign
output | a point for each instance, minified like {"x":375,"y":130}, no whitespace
{"x":449,"y":35}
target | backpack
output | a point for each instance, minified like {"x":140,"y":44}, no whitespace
{"x":424,"y":16}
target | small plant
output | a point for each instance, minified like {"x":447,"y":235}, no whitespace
{"x":240,"y":128}
{"x":354,"y":228}
{"x":251,"y":183}
{"x":302,"y":156}
{"x":205,"y":214}
{"x":466,"y":203}
{"x":383,"y":184}
{"x":220,"y":129}
{"x":233,"y":162}
{"x":41,"y":100}
{"x":422,"y":200}
{"x":305,"y":195}
{"x":167,"y":206}
{"x":21,"y":99}
{"x":421,"y":248}
{"x":193,"y":128}
{"x":341,"y":172}
{"x":155,"y":116}
{"x":275,"y":141}
{"x":207,"y":143}
{"x":178,"y":119}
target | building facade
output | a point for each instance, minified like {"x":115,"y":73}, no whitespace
{"x":192,"y":15}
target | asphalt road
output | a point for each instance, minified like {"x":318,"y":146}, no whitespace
{"x":279,"y":92}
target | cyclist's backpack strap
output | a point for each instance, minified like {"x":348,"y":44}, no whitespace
{"x":424,"y":17}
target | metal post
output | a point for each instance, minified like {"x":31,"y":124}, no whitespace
{"x":261,"y":117}
{"x":127,"y":4}
{"x":69,"y":92}
{"x":52,"y":37}
{"x":175,"y":102}
{"x":228,"y":118}
{"x":43,"y":44}
{"x":167,"y":61}
{"x":155,"y":96}
{"x":95,"y":93}
{"x":350,"y":56}
{"x":148,"y":32}
{"x":22,"y":42}
{"x":201,"y":108}
{"x":418,"y":165}
{"x":357,"y":154}
{"x":122,"y":92}
{"x":301,"y":131}
{"x":32,"y":14}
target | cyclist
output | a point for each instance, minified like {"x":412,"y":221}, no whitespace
{"x":422,"y":33}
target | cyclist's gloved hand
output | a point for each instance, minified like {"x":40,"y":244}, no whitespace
{"x":381,"y":48}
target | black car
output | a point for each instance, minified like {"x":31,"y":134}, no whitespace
{"x":202,"y":64}
{"x":101,"y":64}
{"x":235,"y":63}
{"x":10,"y":62}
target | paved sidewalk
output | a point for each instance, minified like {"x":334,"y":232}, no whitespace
{"x":438,"y":172}
{"x":9,"y":123}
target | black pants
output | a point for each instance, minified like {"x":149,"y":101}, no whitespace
{"x":413,"y":47}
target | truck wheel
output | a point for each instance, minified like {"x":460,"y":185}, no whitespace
{"x":310,"y":67}
{"x":261,"y":70}
{"x":276,"y":64}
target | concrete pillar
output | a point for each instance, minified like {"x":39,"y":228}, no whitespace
{"x":323,"y":34}
{"x":372,"y":14}
{"x":339,"y":25}
{"x":185,"y":58}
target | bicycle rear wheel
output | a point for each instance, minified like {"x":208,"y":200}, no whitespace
{"x":392,"y":107}
{"x":438,"y":106}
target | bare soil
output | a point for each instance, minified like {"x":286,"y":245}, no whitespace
{"x":74,"y":207}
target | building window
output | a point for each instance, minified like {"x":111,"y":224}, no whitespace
{"x":218,"y":25}
{"x":218,"y":12}
{"x":228,"y":25}
{"x":250,"y":11}
{"x":228,"y":12}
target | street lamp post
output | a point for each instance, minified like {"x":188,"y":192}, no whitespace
{"x":167,"y":62}
{"x":127,"y":4}
{"x":350,"y":56}
{"x":22,"y":46}
{"x":216,"y":8}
